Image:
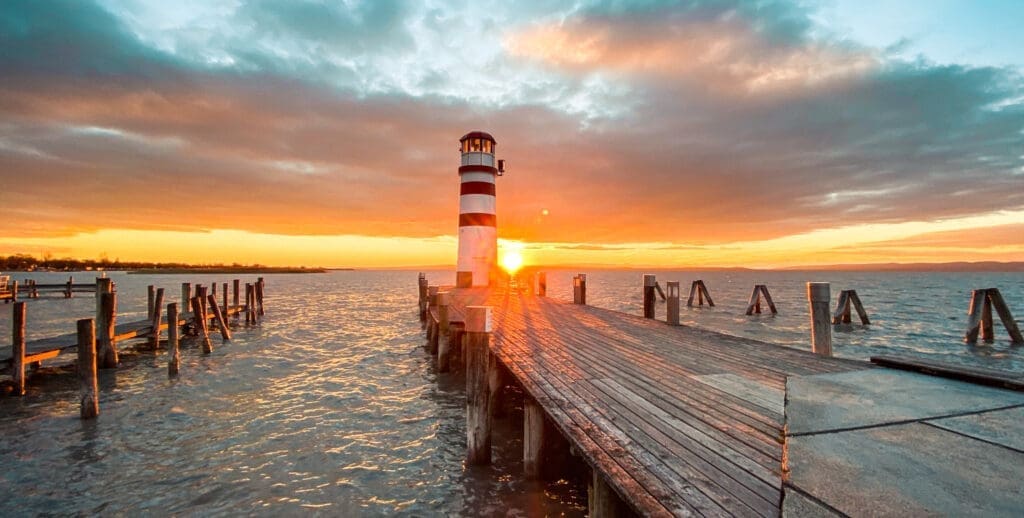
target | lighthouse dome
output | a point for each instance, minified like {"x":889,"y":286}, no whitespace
{"x":477,"y":142}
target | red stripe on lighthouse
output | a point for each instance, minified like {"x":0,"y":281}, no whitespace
{"x":477,"y":188}
{"x":478,"y":169}
{"x":477,"y":219}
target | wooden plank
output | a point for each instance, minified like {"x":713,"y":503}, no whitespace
{"x":989,"y":377}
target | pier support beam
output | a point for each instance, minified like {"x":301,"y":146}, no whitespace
{"x":18,"y":346}
{"x":672,"y":305}
{"x":602,"y":501}
{"x":173,"y":352}
{"x":534,"y":437}
{"x":649,"y":282}
{"x":222,"y":324}
{"x":821,"y":323}
{"x":90,"y":400}
{"x":479,"y":363}
{"x":200,"y":319}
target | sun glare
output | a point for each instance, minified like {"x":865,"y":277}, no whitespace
{"x":512,"y":261}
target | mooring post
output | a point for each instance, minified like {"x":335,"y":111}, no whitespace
{"x":649,"y":282}
{"x":259,"y":296}
{"x":18,"y":348}
{"x":173,"y":355}
{"x":235,"y":285}
{"x":202,"y":292}
{"x":69,"y":292}
{"x":672,"y":306}
{"x":204,"y":335}
{"x":150,"y":301}
{"x":478,"y":366}
{"x":90,"y":400}
{"x":542,"y":284}
{"x":421,"y":286}
{"x":106,"y":322}
{"x":222,"y":324}
{"x":224,"y":297}
{"x":533,"y":437}
{"x":249,"y":315}
{"x":821,"y":326}
{"x":158,"y":304}
{"x":186,"y":295}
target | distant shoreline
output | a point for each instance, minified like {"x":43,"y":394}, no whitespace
{"x":224,"y":270}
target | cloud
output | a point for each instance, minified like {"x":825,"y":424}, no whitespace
{"x":694,"y":124}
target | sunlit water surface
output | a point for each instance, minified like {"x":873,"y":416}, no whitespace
{"x":331,"y":406}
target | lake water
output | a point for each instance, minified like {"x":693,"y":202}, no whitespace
{"x":331,"y":406}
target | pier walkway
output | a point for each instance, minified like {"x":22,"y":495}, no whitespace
{"x":683,"y":421}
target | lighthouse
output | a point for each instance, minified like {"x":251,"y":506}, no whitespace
{"x":478,"y":229}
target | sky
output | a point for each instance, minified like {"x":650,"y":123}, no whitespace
{"x":652,"y":133}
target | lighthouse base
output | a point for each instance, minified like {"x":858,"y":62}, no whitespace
{"x":463,"y":279}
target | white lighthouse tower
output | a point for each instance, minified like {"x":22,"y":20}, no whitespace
{"x":478,"y":229}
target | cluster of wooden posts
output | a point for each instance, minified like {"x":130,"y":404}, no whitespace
{"x":30,"y":289}
{"x":96,"y":338}
{"x":818,"y":297}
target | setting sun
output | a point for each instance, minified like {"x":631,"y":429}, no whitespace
{"x":512,"y":261}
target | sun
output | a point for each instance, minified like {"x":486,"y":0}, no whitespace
{"x":512,"y":261}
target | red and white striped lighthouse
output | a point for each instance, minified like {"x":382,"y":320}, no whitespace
{"x":478,"y":229}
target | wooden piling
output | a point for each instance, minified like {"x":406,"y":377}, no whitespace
{"x":422,"y":289}
{"x":150,"y":301}
{"x":186,"y":295}
{"x":18,"y":345}
{"x":478,"y":365}
{"x":449,"y":356}
{"x":204,"y":334}
{"x":579,"y":289}
{"x":173,"y":353}
{"x":699,"y":291}
{"x":648,"y":294}
{"x":90,"y":394}
{"x":262,"y":291}
{"x":843,"y":315}
{"x":602,"y":501}
{"x":542,"y":284}
{"x":108,"y":356}
{"x":821,"y":330}
{"x":444,"y":300}
{"x":68,"y":292}
{"x":533,"y":438}
{"x":754,"y":306}
{"x":14,"y":291}
{"x":222,"y":324}
{"x":235,"y":285}
{"x":979,"y":316}
{"x":224,"y":296}
{"x":158,"y":304}
{"x":202,"y":292}
{"x":672,"y":305}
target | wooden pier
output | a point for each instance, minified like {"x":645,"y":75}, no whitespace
{"x":679,"y":421}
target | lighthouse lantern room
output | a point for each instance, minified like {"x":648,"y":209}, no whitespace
{"x":478,"y":230}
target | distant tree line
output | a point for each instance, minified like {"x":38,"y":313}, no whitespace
{"x":25,"y":262}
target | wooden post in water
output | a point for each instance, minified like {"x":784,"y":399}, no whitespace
{"x":444,"y":343}
{"x":602,"y":501}
{"x":456,"y":333}
{"x":202,"y":292}
{"x":542,"y":284}
{"x":90,"y":400}
{"x":843,"y":313}
{"x":18,"y":348}
{"x":700,"y":291}
{"x":421,"y":289}
{"x":979,"y":316}
{"x":821,"y":329}
{"x":579,"y":289}
{"x":158,"y":304}
{"x":173,"y":353}
{"x":259,"y":295}
{"x":235,"y":285}
{"x":106,"y":322}
{"x":478,"y":402}
{"x":224,"y":296}
{"x":649,"y":282}
{"x":14,"y":291}
{"x":69,"y":292}
{"x":222,"y":324}
{"x":248,"y":304}
{"x":433,"y":326}
{"x":186,"y":295}
{"x":150,"y":301}
{"x":755,"y":300}
{"x":533,"y":437}
{"x":204,"y":334}
{"x":672,"y":306}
